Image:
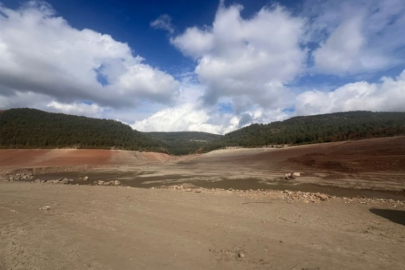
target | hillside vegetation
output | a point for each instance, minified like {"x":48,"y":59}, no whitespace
{"x":183,"y":143}
{"x":30,"y":128}
{"x":316,"y":129}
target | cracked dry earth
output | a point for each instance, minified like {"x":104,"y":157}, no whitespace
{"x":95,"y":227}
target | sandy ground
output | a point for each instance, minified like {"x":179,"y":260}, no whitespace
{"x":105,"y":227}
{"x":91,"y":227}
{"x":366,"y":164}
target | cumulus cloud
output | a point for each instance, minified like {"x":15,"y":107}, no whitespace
{"x":248,"y":60}
{"x":163,"y":22}
{"x":41,"y":53}
{"x":77,"y":108}
{"x":387,"y":95}
{"x":244,"y":73}
{"x":356,"y":36}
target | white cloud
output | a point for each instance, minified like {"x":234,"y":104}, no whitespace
{"x":43,"y":54}
{"x":77,"y":108}
{"x":194,"y":42}
{"x":387,"y":95}
{"x":244,"y":68}
{"x":361,"y":36}
{"x":164,"y":22}
{"x":248,"y":60}
{"x":180,"y":118}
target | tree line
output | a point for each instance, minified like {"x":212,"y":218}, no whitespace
{"x":315,"y":129}
{"x":31,"y":128}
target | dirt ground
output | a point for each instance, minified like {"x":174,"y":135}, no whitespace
{"x":95,"y":227}
{"x":377,"y":164}
{"x":50,"y":226}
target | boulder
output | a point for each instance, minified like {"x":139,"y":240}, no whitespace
{"x":296,"y":174}
{"x":85,"y":178}
{"x":289,"y":176}
{"x":64,"y":181}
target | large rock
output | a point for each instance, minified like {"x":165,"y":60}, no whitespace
{"x":296,"y":174}
{"x":64,"y":181}
{"x":289,"y":176}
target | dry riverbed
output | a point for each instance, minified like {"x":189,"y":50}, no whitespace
{"x":97,"y":227}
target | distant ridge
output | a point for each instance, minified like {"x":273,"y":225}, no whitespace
{"x":31,"y":128}
{"x":315,"y":129}
{"x":184,"y":142}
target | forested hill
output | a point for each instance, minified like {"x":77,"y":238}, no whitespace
{"x":316,"y":129}
{"x":30,"y":128}
{"x":183,"y":143}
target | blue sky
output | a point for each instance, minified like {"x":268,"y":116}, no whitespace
{"x":210,"y":66}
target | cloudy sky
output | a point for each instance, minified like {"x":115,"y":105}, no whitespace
{"x":202,"y":65}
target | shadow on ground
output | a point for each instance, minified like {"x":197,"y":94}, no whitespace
{"x":396,"y":216}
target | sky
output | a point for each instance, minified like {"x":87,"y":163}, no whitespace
{"x":202,"y":65}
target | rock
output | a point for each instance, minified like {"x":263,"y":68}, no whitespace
{"x":85,"y":178}
{"x":37,"y":181}
{"x":117,"y":183}
{"x":64,"y":181}
{"x":107,"y":183}
{"x":198,"y":191}
{"x":296,"y":174}
{"x":289,"y":176}
{"x":241,"y":255}
{"x":47,"y":208}
{"x":100,"y":183}
{"x":323,"y":197}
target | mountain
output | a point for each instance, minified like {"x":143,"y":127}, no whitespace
{"x":183,"y":143}
{"x":315,"y":129}
{"x":31,"y":128}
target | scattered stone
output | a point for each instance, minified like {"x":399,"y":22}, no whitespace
{"x":296,"y":174}
{"x":198,"y":191}
{"x":117,"y":183}
{"x":64,"y":181}
{"x":47,"y":208}
{"x":100,"y":182}
{"x":241,"y":255}
{"x":85,"y":178}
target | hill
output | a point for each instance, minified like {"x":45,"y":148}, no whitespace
{"x":31,"y":128}
{"x":316,"y":129}
{"x":183,"y":143}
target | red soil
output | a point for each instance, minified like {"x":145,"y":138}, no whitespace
{"x":73,"y":157}
{"x":381,"y":154}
